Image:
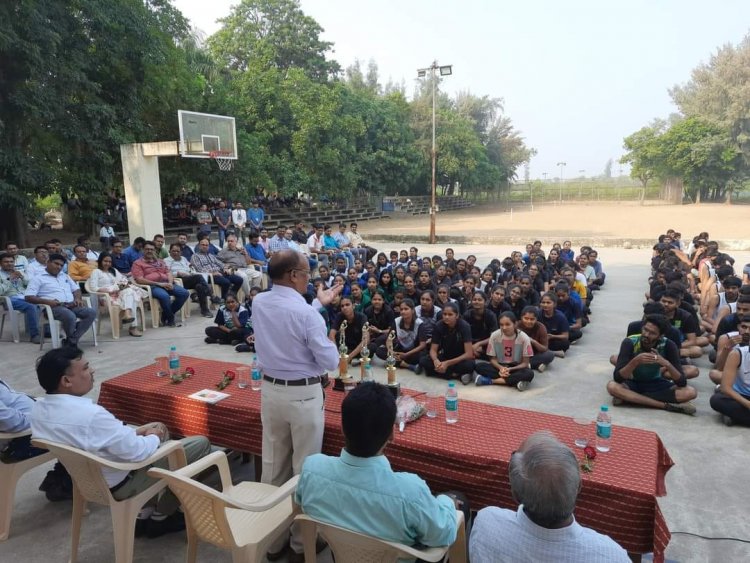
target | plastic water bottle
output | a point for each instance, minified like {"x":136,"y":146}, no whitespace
{"x":451,"y":403}
{"x":603,"y":429}
{"x":255,"y":378}
{"x":174,"y":361}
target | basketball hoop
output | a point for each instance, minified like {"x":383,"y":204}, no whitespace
{"x":222,"y":159}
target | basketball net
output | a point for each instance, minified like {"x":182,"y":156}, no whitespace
{"x":222,"y":160}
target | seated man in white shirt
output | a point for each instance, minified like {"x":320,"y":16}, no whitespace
{"x":545,"y":480}
{"x":380,"y":502}
{"x":67,"y":417}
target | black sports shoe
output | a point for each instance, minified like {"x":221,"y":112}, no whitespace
{"x":171,"y":524}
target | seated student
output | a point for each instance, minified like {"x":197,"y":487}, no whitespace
{"x":566,"y":253}
{"x":570,"y":309}
{"x":598,"y":268}
{"x":497,"y":303}
{"x":427,"y":310}
{"x":732,"y":398}
{"x":545,"y":480}
{"x":353,"y":333}
{"x":486,"y":281}
{"x":539,"y":283}
{"x":356,"y":295}
{"x":410,"y":289}
{"x":720,"y":302}
{"x":451,"y":353}
{"x":684,"y":322}
{"x":387,"y":287}
{"x":425,"y":282}
{"x":399,"y":273}
{"x":352,"y":278}
{"x":441,"y":277}
{"x":483,"y":323}
{"x":410,"y":342}
{"x":649,"y":373}
{"x":537,"y":333}
{"x":442,"y":296}
{"x":528,"y":293}
{"x":380,"y":318}
{"x":392,"y":506}
{"x":555,"y":323}
{"x":381,"y":263}
{"x":81,"y":267}
{"x":509,"y":351}
{"x":64,"y":415}
{"x":231,"y":321}
{"x":514,"y":300}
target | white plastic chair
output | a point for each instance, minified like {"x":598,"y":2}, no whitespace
{"x":348,"y":546}
{"x":7,"y":311}
{"x":89,"y":485}
{"x":55,"y":326}
{"x":10,"y":473}
{"x":113,"y":310}
{"x":155,"y":307}
{"x":244,"y":518}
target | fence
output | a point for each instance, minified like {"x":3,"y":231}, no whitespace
{"x":537,"y":193}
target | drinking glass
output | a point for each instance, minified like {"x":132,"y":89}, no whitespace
{"x":432,"y":398}
{"x":243,"y":376}
{"x":583,"y":432}
{"x":162,"y":366}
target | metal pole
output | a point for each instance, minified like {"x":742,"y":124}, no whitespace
{"x":433,"y":239}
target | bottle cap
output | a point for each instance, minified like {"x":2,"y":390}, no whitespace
{"x":451,"y":384}
{"x":173,"y":348}
{"x":605,"y":408}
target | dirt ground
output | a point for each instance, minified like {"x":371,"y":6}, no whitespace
{"x":606,"y":222}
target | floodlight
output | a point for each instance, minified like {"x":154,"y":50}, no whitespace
{"x":446,"y":70}
{"x":421,"y":73}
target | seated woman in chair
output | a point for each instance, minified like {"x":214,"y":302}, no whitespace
{"x":124,"y":295}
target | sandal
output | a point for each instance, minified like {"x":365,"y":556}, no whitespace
{"x":135,"y":332}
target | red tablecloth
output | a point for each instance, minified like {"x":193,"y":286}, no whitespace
{"x":617,"y":499}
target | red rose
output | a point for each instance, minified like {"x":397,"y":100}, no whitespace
{"x":589,"y":452}
{"x":189,"y":371}
{"x":229,"y":374}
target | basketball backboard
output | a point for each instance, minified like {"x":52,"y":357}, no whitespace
{"x":203,"y":133}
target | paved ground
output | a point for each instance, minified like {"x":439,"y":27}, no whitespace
{"x":705,"y":491}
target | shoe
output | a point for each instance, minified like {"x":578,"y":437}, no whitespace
{"x":171,"y":524}
{"x":559,"y":353}
{"x":726,"y":420}
{"x":135,"y":332}
{"x":243,"y":348}
{"x":276,"y":555}
{"x":482,"y":380}
{"x":418,"y":369}
{"x":209,"y":340}
{"x":141,"y":527}
{"x":295,"y":557}
{"x":522,"y":385}
{"x":684,"y":408}
{"x":466,"y":378}
{"x":173,"y":324}
{"x":215,"y":300}
{"x":194,"y":297}
{"x":541,"y":367}
{"x":206,"y":313}
{"x":616,"y":402}
{"x":36,"y":339}
{"x":127,"y":320}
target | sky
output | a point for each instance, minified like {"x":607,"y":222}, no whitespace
{"x":576,"y":77}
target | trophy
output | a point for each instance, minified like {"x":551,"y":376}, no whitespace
{"x":364,"y":368}
{"x":390,"y":365}
{"x":343,"y":378}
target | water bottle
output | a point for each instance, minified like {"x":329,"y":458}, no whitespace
{"x":451,"y":403}
{"x":255,"y":377}
{"x":174,"y":362}
{"x":603,"y":429}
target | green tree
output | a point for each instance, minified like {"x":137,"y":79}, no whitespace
{"x":643,"y":154}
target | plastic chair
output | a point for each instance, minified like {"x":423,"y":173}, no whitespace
{"x":10,"y":473}
{"x":89,"y":485}
{"x":348,"y":546}
{"x":7,"y":311}
{"x":244,"y":518}
{"x":113,"y":310}
{"x":155,"y":307}
{"x":55,"y":326}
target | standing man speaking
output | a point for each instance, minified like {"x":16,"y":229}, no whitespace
{"x":293,"y":351}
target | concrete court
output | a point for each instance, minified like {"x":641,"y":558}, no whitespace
{"x":709,"y":457}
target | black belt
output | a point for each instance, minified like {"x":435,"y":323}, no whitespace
{"x":121,"y":484}
{"x":293,"y":382}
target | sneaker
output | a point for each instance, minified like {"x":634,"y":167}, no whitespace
{"x":173,"y":324}
{"x":209,"y":340}
{"x":522,"y":385}
{"x":466,"y":378}
{"x":206,"y":313}
{"x":541,"y":368}
{"x":170,"y":524}
{"x":684,"y":408}
{"x":559,"y":353}
{"x":243,"y":348}
{"x":215,"y":300}
{"x":482,"y":380}
{"x":194,"y":297}
{"x":726,"y":420}
{"x":616,"y":402}
{"x":36,"y":339}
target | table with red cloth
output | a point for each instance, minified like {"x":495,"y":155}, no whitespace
{"x":617,"y":499}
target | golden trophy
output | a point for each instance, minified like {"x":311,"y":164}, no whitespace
{"x":343,"y":379}
{"x":365,"y":370}
{"x":390,"y":365}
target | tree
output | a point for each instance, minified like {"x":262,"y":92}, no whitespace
{"x":644,"y":155}
{"x":608,"y":168}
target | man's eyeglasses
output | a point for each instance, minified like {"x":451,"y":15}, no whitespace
{"x":306,"y":272}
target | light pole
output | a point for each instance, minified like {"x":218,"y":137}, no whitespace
{"x":580,"y":187}
{"x":561,"y":165}
{"x":445,"y":70}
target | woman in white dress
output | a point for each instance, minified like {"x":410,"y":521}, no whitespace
{"x":126,"y":296}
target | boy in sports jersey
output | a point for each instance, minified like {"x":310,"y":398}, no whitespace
{"x":648,"y":371}
{"x":732,"y":399}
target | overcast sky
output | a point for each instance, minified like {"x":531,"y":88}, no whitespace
{"x":576,"y":76}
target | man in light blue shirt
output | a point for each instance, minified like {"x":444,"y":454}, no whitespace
{"x":378,"y":501}
{"x":332,"y":244}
